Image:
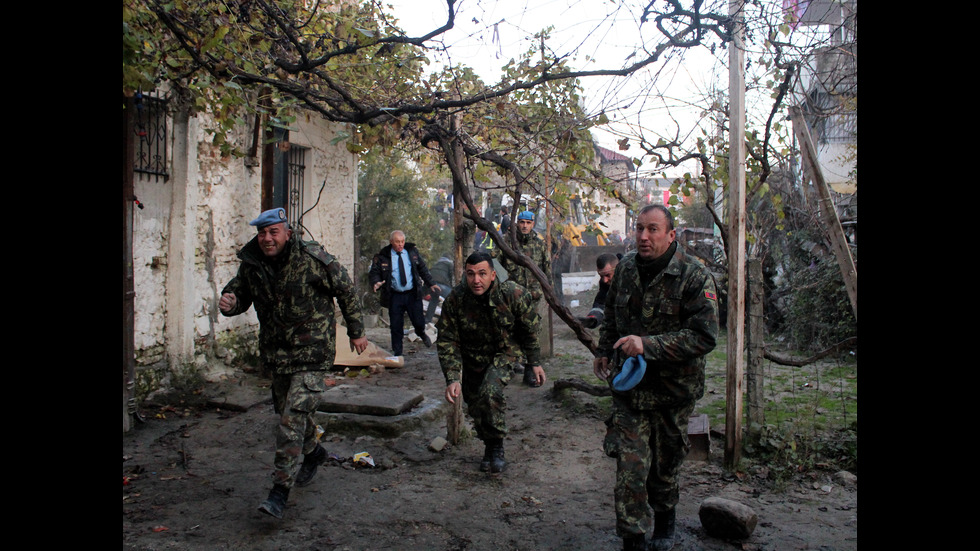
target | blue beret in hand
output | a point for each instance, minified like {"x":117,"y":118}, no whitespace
{"x":631,"y":375}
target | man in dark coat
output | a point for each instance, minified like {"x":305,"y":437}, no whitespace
{"x":400,"y":272}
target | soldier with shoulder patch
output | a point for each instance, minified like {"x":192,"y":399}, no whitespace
{"x":660,"y":320}
{"x":293,"y":285}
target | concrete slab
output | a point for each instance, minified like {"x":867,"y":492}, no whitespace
{"x":427,"y":415}
{"x":573,"y":283}
{"x":355,"y":409}
{"x":239,"y":394}
{"x":368,"y":400}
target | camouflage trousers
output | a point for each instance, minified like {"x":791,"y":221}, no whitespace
{"x":295,"y":398}
{"x":649,"y":447}
{"x":483,"y":392}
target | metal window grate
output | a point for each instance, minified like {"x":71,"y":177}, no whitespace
{"x":296,"y":175}
{"x":151,"y":136}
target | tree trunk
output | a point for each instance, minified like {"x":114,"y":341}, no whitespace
{"x":129,"y":295}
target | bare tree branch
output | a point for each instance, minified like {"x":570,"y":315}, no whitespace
{"x":786,"y":360}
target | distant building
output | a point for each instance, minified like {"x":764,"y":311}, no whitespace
{"x":829,"y":88}
{"x":621,"y":172}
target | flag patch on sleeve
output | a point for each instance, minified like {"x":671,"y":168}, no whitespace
{"x":710,"y":295}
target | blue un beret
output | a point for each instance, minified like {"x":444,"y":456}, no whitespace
{"x":526,"y":215}
{"x":269,"y":217}
{"x":632,"y":373}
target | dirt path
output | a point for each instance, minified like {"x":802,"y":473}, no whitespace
{"x":197,"y":475}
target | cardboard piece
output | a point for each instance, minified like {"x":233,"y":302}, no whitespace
{"x":372,"y":355}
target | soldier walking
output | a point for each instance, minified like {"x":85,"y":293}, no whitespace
{"x":485,"y":327}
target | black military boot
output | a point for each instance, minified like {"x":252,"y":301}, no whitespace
{"x":276,"y":502}
{"x":663,"y":530}
{"x":529,"y":378}
{"x":311,"y":463}
{"x":487,"y":455}
{"x":497,"y":463}
{"x":635,"y":543}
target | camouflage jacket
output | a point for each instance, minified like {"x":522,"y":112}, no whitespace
{"x":476,"y":331}
{"x":677,"y":316}
{"x":295,"y":304}
{"x":534,"y":248}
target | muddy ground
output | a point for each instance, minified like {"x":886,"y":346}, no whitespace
{"x":194,"y":475}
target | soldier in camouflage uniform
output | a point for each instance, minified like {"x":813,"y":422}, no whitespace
{"x":535,"y":248}
{"x":486,"y":325}
{"x":293,"y":285}
{"x":661,"y":305}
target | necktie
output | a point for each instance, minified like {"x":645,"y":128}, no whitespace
{"x":401,"y":271}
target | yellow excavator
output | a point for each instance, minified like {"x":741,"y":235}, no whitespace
{"x":580,"y":234}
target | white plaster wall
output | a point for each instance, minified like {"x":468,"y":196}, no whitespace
{"x":331,"y":185}
{"x":835,"y":166}
{"x":231,"y":196}
{"x":615,"y":219}
{"x":150,"y":227}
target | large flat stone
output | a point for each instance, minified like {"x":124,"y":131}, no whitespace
{"x":239,"y":394}
{"x":430,"y":414}
{"x":369,"y":400}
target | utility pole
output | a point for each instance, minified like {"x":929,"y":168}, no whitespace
{"x":736,"y":244}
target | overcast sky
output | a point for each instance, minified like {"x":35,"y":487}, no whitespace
{"x":602,"y":33}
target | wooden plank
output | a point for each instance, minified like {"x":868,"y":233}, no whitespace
{"x":736,"y":244}
{"x":835,"y":232}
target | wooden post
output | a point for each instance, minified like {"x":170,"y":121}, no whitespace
{"x":454,"y":421}
{"x":547,"y":336}
{"x":461,"y":237}
{"x":756,"y":332}
{"x":812,"y":172}
{"x":129,"y":293}
{"x":736,"y":253}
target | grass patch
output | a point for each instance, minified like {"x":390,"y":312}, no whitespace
{"x":809,"y":413}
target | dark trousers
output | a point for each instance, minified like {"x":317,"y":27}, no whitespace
{"x":401,"y":303}
{"x":434,"y":301}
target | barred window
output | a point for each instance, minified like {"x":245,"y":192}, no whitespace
{"x":289,"y":177}
{"x":150,"y":126}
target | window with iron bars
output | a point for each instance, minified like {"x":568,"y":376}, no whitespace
{"x":289,"y":177}
{"x":150,"y":127}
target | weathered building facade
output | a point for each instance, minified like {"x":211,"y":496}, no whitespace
{"x":191,"y":208}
